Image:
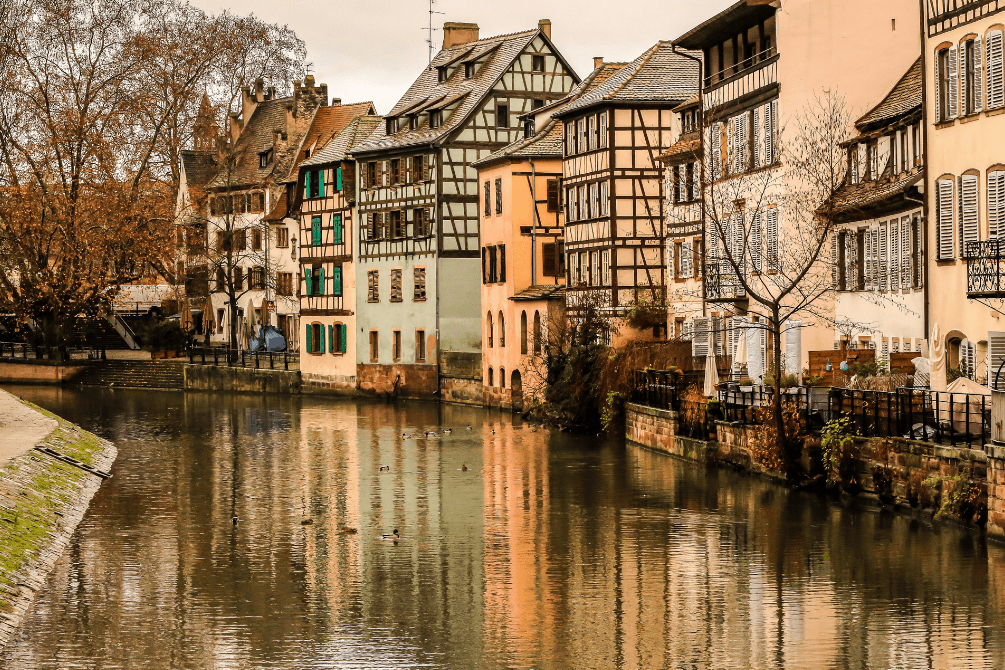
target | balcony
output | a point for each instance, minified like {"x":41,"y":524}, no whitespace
{"x":945,"y":15}
{"x":986,"y":269}
{"x":722,"y":284}
{"x":735,"y":81}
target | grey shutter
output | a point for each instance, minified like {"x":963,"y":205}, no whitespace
{"x":996,"y":355}
{"x":894,"y":255}
{"x":851,"y":266}
{"x":672,"y":272}
{"x":996,"y":87}
{"x":905,"y":253}
{"x":758,"y":134}
{"x":945,"y":212}
{"x":955,"y":89}
{"x":835,"y":259}
{"x":978,"y":91}
{"x":996,"y":180}
{"x":882,"y":258}
{"x":793,"y":347}
{"x":700,"y":336}
{"x":772,"y":242}
{"x":969,"y":221}
{"x":936,"y":88}
{"x":755,"y":242}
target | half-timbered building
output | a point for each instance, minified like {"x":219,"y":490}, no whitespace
{"x":419,"y":257}
{"x":613,"y":183}
{"x":766,"y":66}
{"x":262,"y":146}
{"x":877,"y":244}
{"x":308,"y":217}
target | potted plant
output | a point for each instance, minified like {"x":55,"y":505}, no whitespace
{"x":746,"y":384}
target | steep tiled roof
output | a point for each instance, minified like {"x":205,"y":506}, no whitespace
{"x":427,"y":92}
{"x":257,"y":136}
{"x":200,"y":166}
{"x":658,"y":75}
{"x":902,"y":99}
{"x":359,"y":130}
{"x":683,"y":146}
{"x":541,"y":292}
{"x":328,"y":123}
{"x":600,"y":74}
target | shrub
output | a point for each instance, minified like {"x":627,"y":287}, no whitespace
{"x":838,"y":444}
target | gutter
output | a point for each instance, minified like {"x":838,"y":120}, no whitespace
{"x":924,"y":165}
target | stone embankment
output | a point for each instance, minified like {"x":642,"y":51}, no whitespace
{"x":49,"y":471}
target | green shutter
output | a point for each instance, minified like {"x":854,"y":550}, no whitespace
{"x":321,"y":183}
{"x":337,"y":226}
{"x":337,"y":280}
{"x":307,"y":184}
{"x":307,"y":339}
{"x":321,"y":339}
{"x":342,"y":336}
{"x":321,"y":283}
{"x":316,"y":231}
{"x":338,"y":179}
{"x":307,"y":281}
{"x":331,"y":339}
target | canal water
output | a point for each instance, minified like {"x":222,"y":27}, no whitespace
{"x":519,"y":548}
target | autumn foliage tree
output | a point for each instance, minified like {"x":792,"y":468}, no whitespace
{"x":97,"y":98}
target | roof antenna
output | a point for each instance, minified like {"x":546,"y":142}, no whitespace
{"x":430,"y":29}
{"x":307,"y":69}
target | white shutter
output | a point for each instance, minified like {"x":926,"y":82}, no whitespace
{"x":978,"y":91}
{"x":961,"y":75}
{"x":731,"y":146}
{"x":771,"y":251}
{"x":671,"y":266}
{"x":996,"y":355}
{"x":851,"y":264}
{"x":954,"y":88}
{"x":687,"y":260}
{"x":945,"y":210}
{"x":835,"y":261}
{"x":755,"y":242}
{"x":883,"y":147}
{"x":758,"y":134}
{"x":744,"y":139}
{"x":870,"y":260}
{"x":686,"y":330}
{"x":884,"y":352}
{"x":882,"y":267}
{"x":862,"y":161}
{"x":996,"y":180}
{"x":969,"y":221}
{"x":919,"y":263}
{"x":716,"y":335}
{"x":769,"y":137}
{"x":715,"y":140}
{"x":756,"y":352}
{"x":773,"y":129}
{"x":793,"y":347}
{"x":894,"y":269}
{"x":605,"y":261}
{"x":739,"y":235}
{"x":968,"y":359}
{"x":905,"y":253}
{"x":936,"y":89}
{"x":700,"y":336}
{"x":996,"y":87}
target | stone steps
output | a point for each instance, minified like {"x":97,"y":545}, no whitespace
{"x":133,"y":374}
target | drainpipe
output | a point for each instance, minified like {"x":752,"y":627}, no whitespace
{"x":701,"y":138}
{"x":924,"y":166}
{"x":533,"y":224}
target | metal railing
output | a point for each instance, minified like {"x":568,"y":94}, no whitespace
{"x":241,"y":358}
{"x":655,"y":388}
{"x":733,"y":70}
{"x":24,"y":351}
{"x":739,"y":406}
{"x":985,"y":268}
{"x":721,"y":282}
{"x":956,"y":419}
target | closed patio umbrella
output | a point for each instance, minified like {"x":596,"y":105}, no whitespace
{"x":711,"y":373}
{"x":937,"y":357}
{"x":740,"y":357}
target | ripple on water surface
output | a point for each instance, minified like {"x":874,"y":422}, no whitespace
{"x":517,"y":549}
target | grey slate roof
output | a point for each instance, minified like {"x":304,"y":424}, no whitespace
{"x":904,"y":98}
{"x":358,"y":131}
{"x":498,"y":53}
{"x":658,"y":75}
{"x":257,"y":136}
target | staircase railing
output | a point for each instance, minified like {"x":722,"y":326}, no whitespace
{"x":123,"y":329}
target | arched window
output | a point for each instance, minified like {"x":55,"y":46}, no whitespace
{"x":523,"y":332}
{"x":488,"y":329}
{"x":502,"y":329}
{"x":491,"y":381}
{"x":502,"y":377}
{"x":537,"y":332}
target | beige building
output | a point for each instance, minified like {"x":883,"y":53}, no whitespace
{"x":965,"y":181}
{"x":765,"y":66}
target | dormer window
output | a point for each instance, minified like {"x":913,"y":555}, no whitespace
{"x":469,"y":70}
{"x":265,"y":158}
{"x":413,"y":122}
{"x":307,"y":153}
{"x":528,"y":128}
{"x":435,"y":118}
{"x":389,"y":129}
{"x":441,"y":73}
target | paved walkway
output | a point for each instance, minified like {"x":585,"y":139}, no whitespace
{"x":21,"y":427}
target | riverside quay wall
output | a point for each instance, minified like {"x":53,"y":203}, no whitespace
{"x":901,"y":472}
{"x":49,"y":471}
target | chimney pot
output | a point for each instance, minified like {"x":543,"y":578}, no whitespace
{"x":309,"y":81}
{"x":544,"y":25}
{"x":456,"y":34}
{"x":597,"y":61}
{"x":336,"y":102}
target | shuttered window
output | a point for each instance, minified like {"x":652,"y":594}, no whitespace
{"x":757,"y":136}
{"x":603,"y":129}
{"x":894,"y":267}
{"x":549,"y":258}
{"x":906,"y":254}
{"x":996,"y":356}
{"x":502,"y":262}
{"x":418,"y":284}
{"x":883,"y":258}
{"x":687,"y":260}
{"x":977,"y":83}
{"x":605,"y":195}
{"x":700,"y":331}
{"x":969,"y":219}
{"x":715,"y":140}
{"x":372,"y":286}
{"x":672,"y":262}
{"x":487,"y":198}
{"x":996,"y":85}
{"x":944,"y":195}
{"x":316,"y":231}
{"x":919,"y":252}
{"x":337,"y":228}
{"x":851,"y":272}
{"x":996,"y":204}
{"x":552,"y":205}
{"x":337,"y":280}
{"x":771,"y":243}
{"x":396,"y":293}
{"x":954,"y":85}
{"x":605,"y":267}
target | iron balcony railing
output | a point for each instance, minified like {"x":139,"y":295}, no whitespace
{"x":740,"y":68}
{"x":721,"y":283}
{"x":985,"y":268}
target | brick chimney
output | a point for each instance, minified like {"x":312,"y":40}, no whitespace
{"x":236,"y":126}
{"x":544,"y":25}
{"x":260,"y":90}
{"x":456,"y":34}
{"x":248,"y":103}
{"x":336,"y":102}
{"x":597,"y":61}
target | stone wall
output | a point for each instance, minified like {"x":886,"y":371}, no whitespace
{"x":221,"y":378}
{"x":657,"y":429}
{"x":410,"y":381}
{"x":13,"y":371}
{"x":996,"y":493}
{"x":328,"y":384}
{"x":461,"y":390}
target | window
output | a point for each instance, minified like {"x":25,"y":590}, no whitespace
{"x":418,"y":284}
{"x":435,"y":118}
{"x":395,"y":171}
{"x":488,"y":330}
{"x":420,"y":346}
{"x":373,"y":286}
{"x":239,"y":278}
{"x":340,"y":333}
{"x":581,"y":134}
{"x":594,"y":268}
{"x":996,"y":204}
{"x":374,"y":347}
{"x":469,"y":70}
{"x":370,"y":174}
{"x":537,"y":332}
{"x":493,"y":265}
{"x":528,"y":129}
{"x":570,"y":139}
{"x":396,"y":285}
{"x":219,"y":320}
{"x":499,"y":202}
{"x":502,"y":115}
{"x":240,"y":240}
{"x":943,"y":111}
{"x":502,"y":378}
{"x":316,"y":231}
{"x":221,"y":280}
{"x":970,"y":75}
{"x":605,"y":267}
{"x":945,"y":196}
{"x":282,"y":238}
{"x":605,"y":198}
{"x":570,"y":204}
{"x":591,"y":133}
{"x":257,"y":278}
{"x":549,"y":256}
{"x":594,"y":190}
{"x":441,"y":73}
{"x":491,"y":380}
{"x":488,"y":199}
{"x":536,"y":104}
{"x":996,"y":85}
{"x":523,"y":332}
{"x":552,"y":195}
{"x":396,"y":345}
{"x":284,"y":283}
{"x":502,"y":329}
{"x":969,"y":217}
{"x":265,"y":158}
{"x":314,"y":338}
{"x":337,"y":229}
{"x":257,"y":203}
{"x":419,"y":222}
{"x":602,"y":119}
{"x":337,"y":280}
{"x":314,"y":280}
{"x":397,"y":223}
{"x":537,"y":63}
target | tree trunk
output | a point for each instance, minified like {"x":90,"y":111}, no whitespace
{"x":776,"y":364}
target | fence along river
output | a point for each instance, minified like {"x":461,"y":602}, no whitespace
{"x":518,"y":548}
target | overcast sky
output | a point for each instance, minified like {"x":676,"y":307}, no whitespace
{"x":373,"y":50}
